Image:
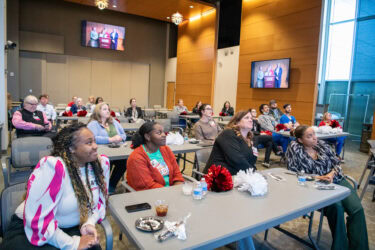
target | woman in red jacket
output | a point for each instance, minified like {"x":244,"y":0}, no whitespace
{"x":152,"y":164}
{"x":339,"y":141}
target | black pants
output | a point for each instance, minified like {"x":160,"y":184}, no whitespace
{"x":15,"y":237}
{"x":119,"y":168}
{"x":266,"y":141}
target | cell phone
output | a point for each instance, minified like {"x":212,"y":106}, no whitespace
{"x":330,"y":187}
{"x":325,"y":182}
{"x":138,"y":207}
{"x":113,"y":145}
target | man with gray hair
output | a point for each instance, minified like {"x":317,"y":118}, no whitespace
{"x":29,"y":121}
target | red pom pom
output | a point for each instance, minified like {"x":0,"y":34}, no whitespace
{"x":335,"y":124}
{"x":280,"y":127}
{"x":113,"y":114}
{"x":131,"y":146}
{"x":82,"y":113}
{"x":183,"y":113}
{"x":222,"y":114}
{"x":218,"y":179}
{"x":267,"y":132}
{"x":69,"y":113}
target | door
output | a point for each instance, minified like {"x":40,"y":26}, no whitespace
{"x":171,"y":91}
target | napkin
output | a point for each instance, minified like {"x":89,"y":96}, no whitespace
{"x":177,"y":229}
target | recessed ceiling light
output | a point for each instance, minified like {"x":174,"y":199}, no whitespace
{"x":191,"y":6}
{"x":114,"y":6}
{"x":168,"y":17}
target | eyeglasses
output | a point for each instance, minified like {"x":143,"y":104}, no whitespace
{"x":208,"y":109}
{"x":32,"y":104}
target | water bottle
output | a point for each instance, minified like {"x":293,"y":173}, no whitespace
{"x":204,"y":186}
{"x":186,"y":138}
{"x":302,"y":178}
{"x":197,"y":191}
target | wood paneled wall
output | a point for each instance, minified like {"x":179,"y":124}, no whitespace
{"x":196,"y":52}
{"x":272,"y":29}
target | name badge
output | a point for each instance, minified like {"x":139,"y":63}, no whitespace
{"x":255,"y":151}
{"x":36,"y":118}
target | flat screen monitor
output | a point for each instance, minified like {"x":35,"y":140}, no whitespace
{"x":105,"y":36}
{"x":270,"y":74}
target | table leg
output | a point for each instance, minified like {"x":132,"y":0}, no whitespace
{"x":245,"y":244}
{"x":366,"y":184}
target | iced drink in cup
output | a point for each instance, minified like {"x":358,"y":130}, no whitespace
{"x":161,"y":208}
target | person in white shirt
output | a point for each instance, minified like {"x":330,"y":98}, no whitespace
{"x":66,"y":196}
{"x":180,"y":107}
{"x":48,"y":109}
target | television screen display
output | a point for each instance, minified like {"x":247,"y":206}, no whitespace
{"x":270,"y":73}
{"x":105,"y":36}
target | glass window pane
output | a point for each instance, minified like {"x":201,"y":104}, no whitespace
{"x":342,"y":10}
{"x":339,"y":51}
{"x":364,"y":59}
{"x":366,"y":8}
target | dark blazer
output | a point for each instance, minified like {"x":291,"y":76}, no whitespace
{"x":229,"y":112}
{"x":128,"y":112}
{"x":232,"y":152}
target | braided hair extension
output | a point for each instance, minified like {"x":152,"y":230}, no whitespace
{"x":62,"y":144}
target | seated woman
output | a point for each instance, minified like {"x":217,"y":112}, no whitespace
{"x":133,"y":112}
{"x":108,"y":130}
{"x":316,"y":157}
{"x":227,"y":110}
{"x":152,"y":164}
{"x":261,"y":138}
{"x":97,"y":101}
{"x":206,"y":129}
{"x":57,"y":212}
{"x":196,"y":108}
{"x":339,"y":141}
{"x":233,"y":147}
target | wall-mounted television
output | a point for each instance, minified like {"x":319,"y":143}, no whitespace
{"x":270,"y":73}
{"x":105,"y":36}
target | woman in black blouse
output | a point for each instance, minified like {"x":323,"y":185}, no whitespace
{"x":233,"y":147}
{"x":227,"y":110}
{"x":196,"y":108}
{"x":316,"y":157}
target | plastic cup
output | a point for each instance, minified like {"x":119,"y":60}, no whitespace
{"x":187,"y":188}
{"x":161,"y":208}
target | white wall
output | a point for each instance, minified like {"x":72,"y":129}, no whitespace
{"x":3,"y":81}
{"x":64,"y":76}
{"x":170,"y":75}
{"x":226,"y":77}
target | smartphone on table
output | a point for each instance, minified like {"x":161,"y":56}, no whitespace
{"x":138,"y":207}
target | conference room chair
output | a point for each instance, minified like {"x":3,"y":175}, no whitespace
{"x":175,"y":120}
{"x":370,"y":165}
{"x":12,"y":196}
{"x":25,"y":155}
{"x":166,"y":123}
{"x":202,"y":156}
{"x":157,"y":107}
{"x":149,"y":114}
{"x":123,"y":119}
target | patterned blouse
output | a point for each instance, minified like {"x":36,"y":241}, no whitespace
{"x":51,"y":204}
{"x":298,"y":159}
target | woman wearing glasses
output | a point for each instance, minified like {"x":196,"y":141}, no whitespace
{"x":206,"y":129}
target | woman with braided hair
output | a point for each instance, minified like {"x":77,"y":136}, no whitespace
{"x":66,"y":196}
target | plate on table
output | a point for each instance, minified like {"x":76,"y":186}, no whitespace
{"x":193,"y":141}
{"x":149,"y":224}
